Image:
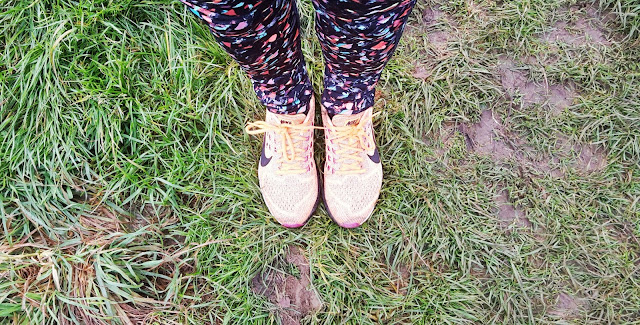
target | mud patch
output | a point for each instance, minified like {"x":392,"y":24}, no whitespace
{"x":421,"y":73}
{"x":439,"y":40}
{"x":487,"y":137}
{"x":509,"y":214}
{"x":623,"y":233}
{"x":437,"y":25}
{"x":479,"y":271}
{"x":401,"y":285}
{"x":430,"y":16}
{"x":555,"y":97}
{"x":287,"y":292}
{"x":578,"y":33}
{"x":588,"y":27}
{"x":589,"y":157}
{"x":567,"y":306}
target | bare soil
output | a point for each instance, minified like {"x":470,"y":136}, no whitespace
{"x":566,"y":307}
{"x":401,"y":285}
{"x":290,"y":294}
{"x":421,"y":73}
{"x":590,"y":157}
{"x":509,"y":213}
{"x":514,"y":80}
{"x":487,"y":137}
{"x":437,"y":25}
{"x":588,"y":28}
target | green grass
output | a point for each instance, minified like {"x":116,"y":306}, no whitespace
{"x":128,"y":189}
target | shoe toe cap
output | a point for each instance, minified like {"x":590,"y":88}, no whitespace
{"x":290,"y":203}
{"x":350,"y":209}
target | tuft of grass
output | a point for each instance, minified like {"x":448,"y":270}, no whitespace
{"x":112,"y":270}
{"x":628,"y":12}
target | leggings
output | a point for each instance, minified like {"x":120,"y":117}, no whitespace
{"x":358,"y":37}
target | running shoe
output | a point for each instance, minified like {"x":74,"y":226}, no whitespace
{"x":352,"y":170}
{"x":287,"y":170}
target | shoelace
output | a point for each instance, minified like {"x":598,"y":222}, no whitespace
{"x":292,"y":143}
{"x":352,"y":140}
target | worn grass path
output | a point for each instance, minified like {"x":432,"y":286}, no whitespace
{"x":509,"y":133}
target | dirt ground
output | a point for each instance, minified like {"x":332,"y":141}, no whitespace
{"x":292,"y":296}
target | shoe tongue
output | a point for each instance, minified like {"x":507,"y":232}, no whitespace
{"x":291,"y":119}
{"x":346,"y":120}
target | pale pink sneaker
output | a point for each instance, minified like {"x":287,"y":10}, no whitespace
{"x":287,"y":171}
{"x":352,"y":171}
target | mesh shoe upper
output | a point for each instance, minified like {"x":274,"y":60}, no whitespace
{"x":287,"y":170}
{"x":352,"y":172}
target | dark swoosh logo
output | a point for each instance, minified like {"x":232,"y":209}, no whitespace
{"x":375,"y":157}
{"x":264,"y":161}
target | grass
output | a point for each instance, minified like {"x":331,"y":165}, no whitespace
{"x":128,"y":192}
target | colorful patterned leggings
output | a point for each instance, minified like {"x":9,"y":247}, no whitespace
{"x":358,"y":38}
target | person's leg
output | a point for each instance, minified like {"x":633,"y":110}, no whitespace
{"x":263,"y":36}
{"x":358,"y":38}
